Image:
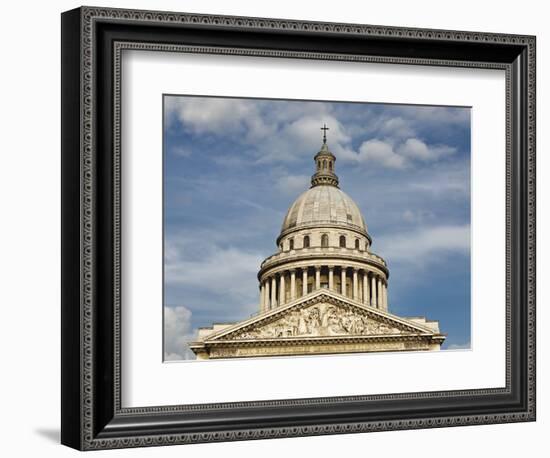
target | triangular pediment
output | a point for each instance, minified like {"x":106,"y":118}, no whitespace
{"x":320,"y":314}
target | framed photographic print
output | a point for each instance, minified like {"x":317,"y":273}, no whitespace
{"x":278,"y":228}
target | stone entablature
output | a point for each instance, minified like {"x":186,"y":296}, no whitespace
{"x":321,"y":253}
{"x":323,"y":261}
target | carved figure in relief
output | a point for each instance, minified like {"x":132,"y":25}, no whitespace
{"x":320,"y":320}
{"x":313,"y":321}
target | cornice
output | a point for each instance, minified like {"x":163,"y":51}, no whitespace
{"x":321,"y":258}
{"x":439,"y":338}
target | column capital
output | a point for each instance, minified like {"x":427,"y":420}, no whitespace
{"x":318,"y":267}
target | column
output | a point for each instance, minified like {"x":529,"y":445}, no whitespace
{"x":273,"y":292}
{"x":366,"y":289}
{"x":355,"y":285}
{"x":331,"y":278}
{"x":385,"y":296}
{"x":373,"y":291}
{"x":343,"y":276}
{"x":304,"y":281}
{"x":267,"y":302}
{"x":379,"y":291}
{"x":292,"y":284}
{"x":282,"y":289}
{"x":262,"y":297}
{"x":266,"y":295}
{"x":317,"y":277}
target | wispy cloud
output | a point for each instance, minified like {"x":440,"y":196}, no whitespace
{"x":181,"y":151}
{"x":453,"y":180}
{"x":425,"y":245}
{"x":293,"y":184}
{"x":201,"y":263}
{"x":418,"y":216}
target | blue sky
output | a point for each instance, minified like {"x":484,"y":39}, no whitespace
{"x":232,"y":167}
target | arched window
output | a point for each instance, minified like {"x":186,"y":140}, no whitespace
{"x":324,"y":241}
{"x":291,"y":244}
{"x":330,"y":165}
{"x":342,"y":241}
{"x":324,"y":165}
{"x":356,"y":244}
{"x":306,"y":241}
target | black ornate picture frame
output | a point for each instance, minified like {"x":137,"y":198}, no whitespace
{"x":92,"y":42}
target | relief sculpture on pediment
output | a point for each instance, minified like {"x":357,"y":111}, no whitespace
{"x":319,"y":321}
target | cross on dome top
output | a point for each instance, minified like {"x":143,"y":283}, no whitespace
{"x":324,"y":129}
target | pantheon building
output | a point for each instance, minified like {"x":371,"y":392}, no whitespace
{"x":324,"y":291}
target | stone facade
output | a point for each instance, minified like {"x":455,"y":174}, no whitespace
{"x":324,"y":290}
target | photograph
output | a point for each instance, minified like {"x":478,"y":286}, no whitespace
{"x":307,"y":227}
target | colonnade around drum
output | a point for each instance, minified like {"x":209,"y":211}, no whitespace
{"x":361,"y":285}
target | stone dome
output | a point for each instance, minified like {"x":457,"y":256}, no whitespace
{"x":323,"y":243}
{"x":324,"y":205}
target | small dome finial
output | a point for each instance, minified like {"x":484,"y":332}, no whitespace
{"x":324,"y":160}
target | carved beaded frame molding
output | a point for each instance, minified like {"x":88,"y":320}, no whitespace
{"x":93,"y":40}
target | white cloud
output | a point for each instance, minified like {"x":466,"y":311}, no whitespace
{"x":417,"y":149}
{"x":302,"y":137}
{"x":381,"y":153}
{"x":178,"y":333}
{"x":424,"y":246}
{"x":272,"y":132}
{"x":293,"y":184}
{"x":219,"y":270}
{"x":215,"y":115}
{"x":397,"y":127}
{"x":384,"y":153}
